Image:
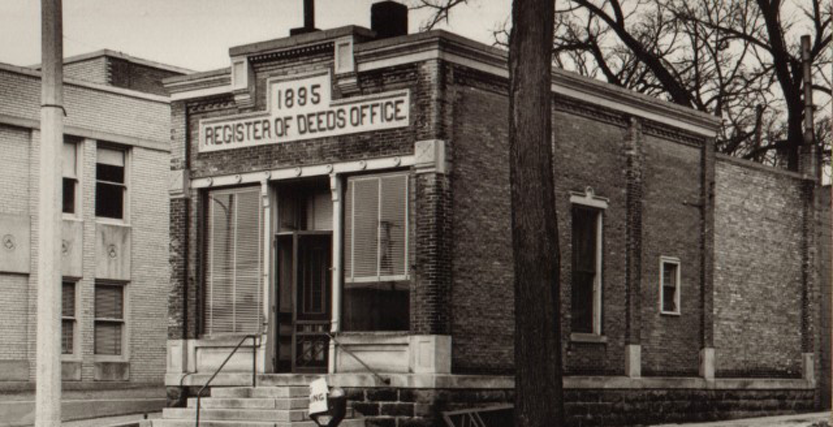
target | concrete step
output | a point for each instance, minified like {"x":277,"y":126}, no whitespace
{"x":260,"y":392}
{"x":356,"y":422}
{"x":271,"y":380}
{"x":250,"y":403}
{"x":236,"y":414}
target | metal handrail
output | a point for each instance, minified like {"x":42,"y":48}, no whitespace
{"x":255,"y":346}
{"x":385,"y":381}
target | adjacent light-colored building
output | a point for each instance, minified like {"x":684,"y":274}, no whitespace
{"x":116,"y":155}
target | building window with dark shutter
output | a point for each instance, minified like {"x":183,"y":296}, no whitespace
{"x":109,"y":324}
{"x":233,"y":293}
{"x":68,"y":318}
{"x":669,"y":289}
{"x":376,"y":281}
{"x":110,"y":183}
{"x":69,"y":172}
{"x":587,"y":216}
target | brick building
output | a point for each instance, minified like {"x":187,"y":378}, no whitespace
{"x":115,"y":235}
{"x":344,"y":197}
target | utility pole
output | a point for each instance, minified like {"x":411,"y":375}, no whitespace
{"x":48,"y":391}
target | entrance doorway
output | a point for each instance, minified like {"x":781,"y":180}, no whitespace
{"x":303,"y":288}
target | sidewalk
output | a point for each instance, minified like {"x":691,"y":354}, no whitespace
{"x":817,"y":419}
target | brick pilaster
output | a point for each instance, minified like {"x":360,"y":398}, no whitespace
{"x":634,"y":193}
{"x":707,"y":188}
{"x":430,"y":295}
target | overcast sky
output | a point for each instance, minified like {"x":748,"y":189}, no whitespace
{"x":197,"y":34}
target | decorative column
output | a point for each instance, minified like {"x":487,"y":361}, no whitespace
{"x":633,"y":252}
{"x":335,"y":322}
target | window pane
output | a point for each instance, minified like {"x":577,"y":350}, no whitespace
{"x":233,"y":291}
{"x":669,"y":286}
{"x":68,"y":299}
{"x":365,"y":225}
{"x":376,"y":306}
{"x":68,"y":195}
{"x":108,"y":338}
{"x":109,"y":173}
{"x":69,"y":160}
{"x":393,"y":229}
{"x":67,"y":333}
{"x":109,"y":302}
{"x":247,"y":293}
{"x":109,"y":200}
{"x":109,"y":156}
{"x":584,"y":252}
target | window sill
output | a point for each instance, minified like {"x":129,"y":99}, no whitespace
{"x":588,"y":338}
{"x":101,"y":358}
{"x":110,"y":221}
{"x":71,"y":217}
{"x":670,"y":313}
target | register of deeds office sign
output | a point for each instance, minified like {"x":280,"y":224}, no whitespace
{"x":302,"y":108}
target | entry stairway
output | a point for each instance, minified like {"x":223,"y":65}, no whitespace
{"x":262,"y":406}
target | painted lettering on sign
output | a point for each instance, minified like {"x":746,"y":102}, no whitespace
{"x":303,"y":109}
{"x":318,"y":391}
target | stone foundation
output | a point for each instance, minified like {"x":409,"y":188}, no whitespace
{"x":393,"y":407}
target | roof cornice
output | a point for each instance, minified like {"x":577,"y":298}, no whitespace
{"x":442,"y":45}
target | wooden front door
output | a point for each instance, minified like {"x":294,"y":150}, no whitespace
{"x":304,"y":298}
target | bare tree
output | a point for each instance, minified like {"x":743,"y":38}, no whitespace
{"x":538,"y":370}
{"x":737,"y":59}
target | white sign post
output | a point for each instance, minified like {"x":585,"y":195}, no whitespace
{"x":301,"y":109}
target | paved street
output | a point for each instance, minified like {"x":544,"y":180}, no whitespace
{"x":817,"y":419}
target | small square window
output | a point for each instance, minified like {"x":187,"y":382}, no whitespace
{"x":669,"y":285}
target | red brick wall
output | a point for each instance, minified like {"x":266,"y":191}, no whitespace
{"x":671,"y":227}
{"x":758,"y":277}
{"x":826,"y":235}
{"x":482,"y":294}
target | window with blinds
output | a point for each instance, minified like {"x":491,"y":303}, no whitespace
{"x":110,"y":183}
{"x":67,"y":318}
{"x":376,"y":288}
{"x":376,"y":228}
{"x":109,"y":325}
{"x":233,"y":293}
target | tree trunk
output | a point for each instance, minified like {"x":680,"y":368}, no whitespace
{"x":538,"y":387}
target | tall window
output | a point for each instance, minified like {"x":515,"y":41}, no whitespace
{"x":110,"y":183}
{"x":587,"y":269}
{"x":669,"y":279}
{"x":109,"y":325}
{"x":67,"y":318}
{"x":233,"y":292}
{"x":69,"y":171}
{"x":376,"y":288}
